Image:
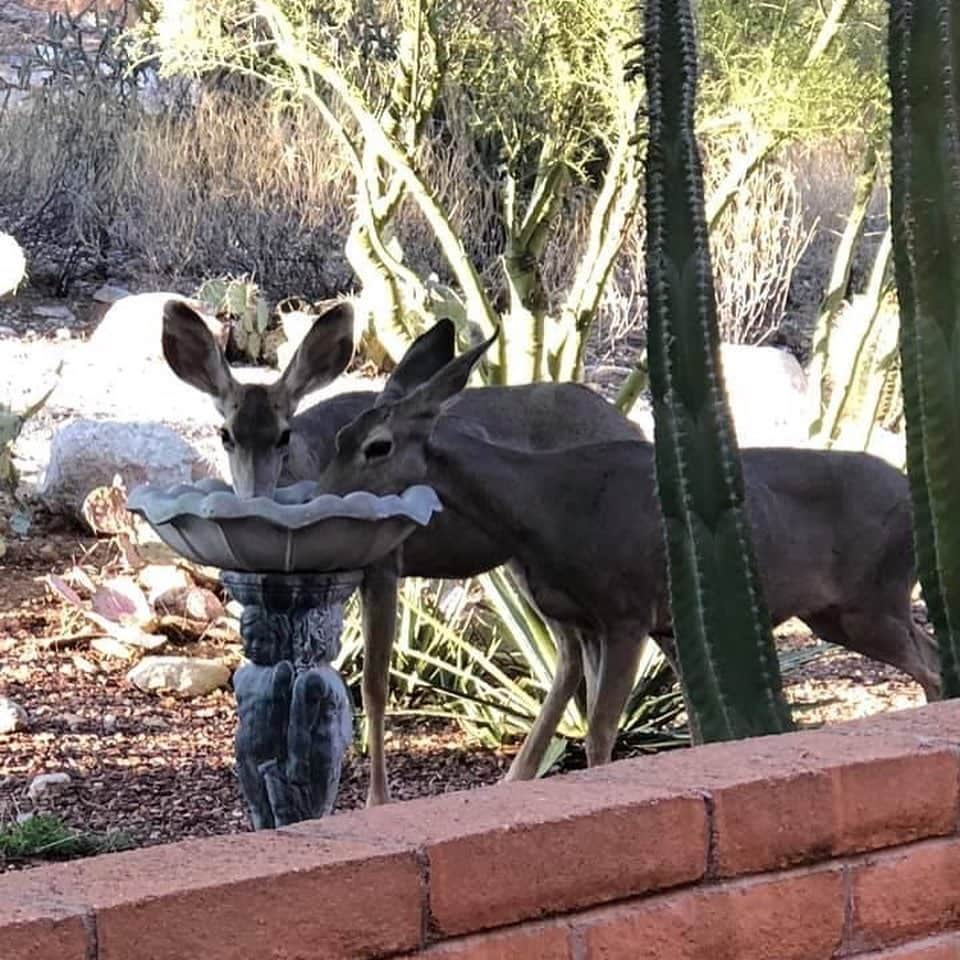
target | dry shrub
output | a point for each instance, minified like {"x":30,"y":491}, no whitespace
{"x":755,"y":247}
{"x":58,"y":155}
{"x":217,"y":183}
{"x":235,"y":187}
{"x":825,"y":172}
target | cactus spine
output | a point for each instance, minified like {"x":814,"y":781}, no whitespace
{"x":727,"y":657}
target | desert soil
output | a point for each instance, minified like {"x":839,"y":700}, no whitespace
{"x":160,"y":768}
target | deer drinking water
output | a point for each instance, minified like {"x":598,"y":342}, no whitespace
{"x":831,"y":529}
{"x":268,"y":444}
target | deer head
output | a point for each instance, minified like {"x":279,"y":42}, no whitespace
{"x":256,"y":417}
{"x":384,"y":450}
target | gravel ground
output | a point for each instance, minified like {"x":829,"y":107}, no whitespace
{"x":161,"y":769}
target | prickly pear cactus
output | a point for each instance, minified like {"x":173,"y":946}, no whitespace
{"x":728,"y":662}
{"x":13,"y":515}
{"x":240,"y":300}
{"x":924,"y":63}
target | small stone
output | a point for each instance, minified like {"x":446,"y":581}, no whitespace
{"x":109,"y":723}
{"x":142,"y":640}
{"x":48,"y":785}
{"x":160,"y":578}
{"x":191,"y":603}
{"x":7,"y":331}
{"x":54,"y":311}
{"x":113,"y":648}
{"x":73,"y":721}
{"x":109,"y":293}
{"x":12,"y":716}
{"x":183,"y":676}
{"x":84,"y":665}
{"x":62,"y":333}
{"x":155,"y":723}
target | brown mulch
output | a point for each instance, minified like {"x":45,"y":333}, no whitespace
{"x":161,"y":769}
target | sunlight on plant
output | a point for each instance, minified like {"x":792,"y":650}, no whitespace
{"x":466,"y":652}
{"x":46,"y":836}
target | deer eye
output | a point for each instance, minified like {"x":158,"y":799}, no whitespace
{"x":378,"y":449}
{"x":284,"y":441}
{"x":226,"y":439}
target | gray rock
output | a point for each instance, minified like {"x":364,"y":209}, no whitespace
{"x":48,"y":785}
{"x":184,"y":676}
{"x":109,"y":293}
{"x":73,"y":721}
{"x":12,"y":716}
{"x":54,"y":311}
{"x":87,"y":453}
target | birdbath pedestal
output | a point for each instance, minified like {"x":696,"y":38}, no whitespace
{"x":292,"y":562}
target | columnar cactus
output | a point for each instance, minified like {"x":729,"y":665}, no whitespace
{"x":924,"y":65}
{"x":728,"y":661}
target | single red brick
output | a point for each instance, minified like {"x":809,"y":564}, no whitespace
{"x":537,"y":941}
{"x":795,"y":917}
{"x":933,"y":948}
{"x":41,"y":929}
{"x":907,"y":893}
{"x":266,"y":895}
{"x":792,"y":799}
{"x":503,"y":854}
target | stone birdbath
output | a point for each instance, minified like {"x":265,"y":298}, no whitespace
{"x":292,"y":561}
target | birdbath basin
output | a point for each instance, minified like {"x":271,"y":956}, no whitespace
{"x":292,"y":561}
{"x":298,"y":530}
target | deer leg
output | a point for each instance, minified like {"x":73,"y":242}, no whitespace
{"x":591,"y":652}
{"x":379,"y":595}
{"x":887,"y":636}
{"x":569,"y":670}
{"x":618,"y":669}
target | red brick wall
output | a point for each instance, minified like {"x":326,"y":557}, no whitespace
{"x":840,"y":843}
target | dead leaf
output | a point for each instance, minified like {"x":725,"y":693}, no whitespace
{"x":59,"y":585}
{"x":105,"y":509}
{"x":121,"y":600}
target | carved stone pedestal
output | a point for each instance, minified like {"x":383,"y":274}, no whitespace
{"x":294,"y":710}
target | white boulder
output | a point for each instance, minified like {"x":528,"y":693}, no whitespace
{"x":86,"y":454}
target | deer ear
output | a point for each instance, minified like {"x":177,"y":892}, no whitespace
{"x":432,"y":396}
{"x":427,"y":355}
{"x":321,"y":357}
{"x":192,"y":353}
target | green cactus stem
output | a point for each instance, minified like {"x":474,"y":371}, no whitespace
{"x":923,"y":66}
{"x":728,"y":661}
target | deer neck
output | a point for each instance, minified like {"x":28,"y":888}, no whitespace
{"x":478,"y":478}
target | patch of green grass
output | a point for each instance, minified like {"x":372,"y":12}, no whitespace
{"x":47,"y":836}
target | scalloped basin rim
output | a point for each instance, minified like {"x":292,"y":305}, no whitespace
{"x":292,"y":507}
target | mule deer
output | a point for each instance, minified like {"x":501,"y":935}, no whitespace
{"x":832,"y":532}
{"x":266,"y":444}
